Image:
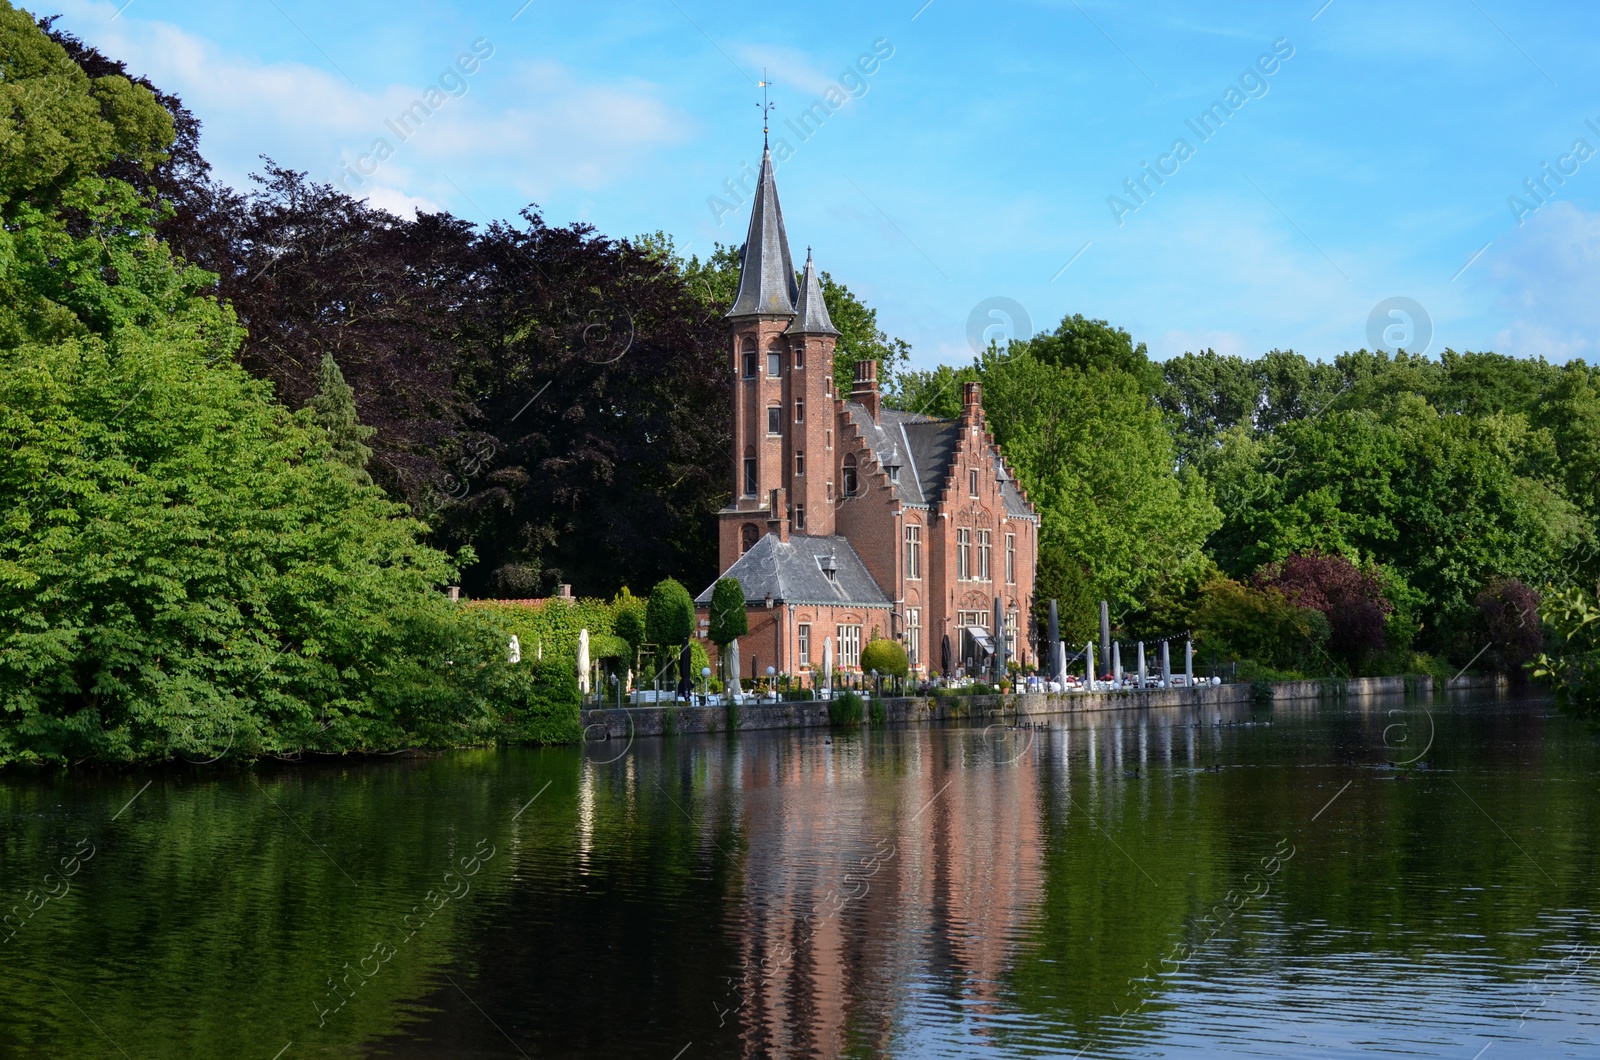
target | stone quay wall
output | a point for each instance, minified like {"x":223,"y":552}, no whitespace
{"x":613,"y":722}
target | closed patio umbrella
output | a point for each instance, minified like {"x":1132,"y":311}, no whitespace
{"x":733,"y":669}
{"x":1055,"y":635}
{"x":685,"y":662}
{"x":827,"y":662}
{"x":944,"y":657}
{"x":583,"y":661}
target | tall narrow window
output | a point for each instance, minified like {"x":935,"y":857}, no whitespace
{"x":774,"y":362}
{"x":850,"y":475}
{"x":983,"y":555}
{"x":963,"y":554}
{"x":799,"y":517}
{"x":749,"y":359}
{"x":913,"y":550}
{"x":849,"y":645}
{"x":748,"y":536}
{"x":799,"y":411}
{"x":800,"y":356}
{"x":800,"y":462}
{"x":972,"y":483}
{"x":749,"y":471}
{"x":1011,"y":634}
{"x":914,"y":635}
{"x":1011,"y":559}
{"x":774,"y":420}
{"x":804,"y":630}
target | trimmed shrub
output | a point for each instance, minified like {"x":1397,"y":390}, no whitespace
{"x":888,"y":657}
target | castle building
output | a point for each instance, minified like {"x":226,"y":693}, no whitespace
{"x":850,"y":520}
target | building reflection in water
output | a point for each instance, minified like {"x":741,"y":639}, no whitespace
{"x":859,"y":881}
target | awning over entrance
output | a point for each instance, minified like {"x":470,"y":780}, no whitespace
{"x":980,"y":637}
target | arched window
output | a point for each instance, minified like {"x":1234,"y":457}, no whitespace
{"x":749,"y":358}
{"x":748,"y":538}
{"x":749,"y":471}
{"x":850,"y":475}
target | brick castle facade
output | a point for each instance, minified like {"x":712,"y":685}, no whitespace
{"x":850,"y":520}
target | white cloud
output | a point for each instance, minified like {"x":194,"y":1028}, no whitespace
{"x":532,"y":124}
{"x":1545,"y":277}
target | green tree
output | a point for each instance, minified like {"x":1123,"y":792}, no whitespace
{"x":860,"y":338}
{"x":728,"y":618}
{"x":182,"y":571}
{"x":669,"y":619}
{"x":1095,"y":346}
{"x":334,"y":410}
{"x":628,"y":621}
{"x":1573,"y":663}
{"x":1096,"y":458}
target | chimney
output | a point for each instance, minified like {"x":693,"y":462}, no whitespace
{"x":865,"y":391}
{"x":971,"y":402}
{"x":778,"y":513}
{"x":563,"y":592}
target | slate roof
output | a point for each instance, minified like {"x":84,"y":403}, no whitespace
{"x":811,"y":315}
{"x":766,"y":271}
{"x":791,"y":573}
{"x":924,"y":447}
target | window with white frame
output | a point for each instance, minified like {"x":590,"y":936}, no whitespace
{"x":804,"y":630}
{"x":963,"y":553}
{"x":984,"y":550}
{"x":1011,"y":559}
{"x":914,"y":635}
{"x":913,"y":550}
{"x":849,"y":645}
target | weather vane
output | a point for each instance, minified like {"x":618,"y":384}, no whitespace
{"x":766,"y":108}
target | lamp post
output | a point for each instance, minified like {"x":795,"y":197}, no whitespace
{"x":705,"y":683}
{"x":771,"y":685}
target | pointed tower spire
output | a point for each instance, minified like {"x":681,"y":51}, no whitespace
{"x":766,"y":271}
{"x":811,"y":314}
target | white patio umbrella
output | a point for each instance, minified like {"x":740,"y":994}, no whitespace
{"x":827,"y":662}
{"x":583,"y":661}
{"x":515,"y":653}
{"x":733,"y":669}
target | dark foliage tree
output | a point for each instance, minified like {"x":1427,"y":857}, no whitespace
{"x":600,"y":381}
{"x":1508,"y":622}
{"x":1350,"y":599}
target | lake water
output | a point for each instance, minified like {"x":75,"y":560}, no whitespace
{"x":1257,"y":881}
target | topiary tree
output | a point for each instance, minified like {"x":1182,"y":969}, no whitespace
{"x":728,"y":619}
{"x":669,"y":619}
{"x":887,"y":657}
{"x":628,"y":620}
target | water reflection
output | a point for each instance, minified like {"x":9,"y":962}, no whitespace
{"x":1115,"y":885}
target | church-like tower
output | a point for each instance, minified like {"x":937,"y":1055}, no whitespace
{"x":781,"y":341}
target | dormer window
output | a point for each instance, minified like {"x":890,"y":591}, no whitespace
{"x":829,"y":567}
{"x":894,"y":472}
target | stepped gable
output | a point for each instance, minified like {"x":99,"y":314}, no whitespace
{"x":792,"y":572}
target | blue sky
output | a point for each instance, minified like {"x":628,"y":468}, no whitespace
{"x":979,"y":158}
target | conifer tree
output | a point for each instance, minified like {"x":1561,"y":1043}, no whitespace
{"x":334,"y":410}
